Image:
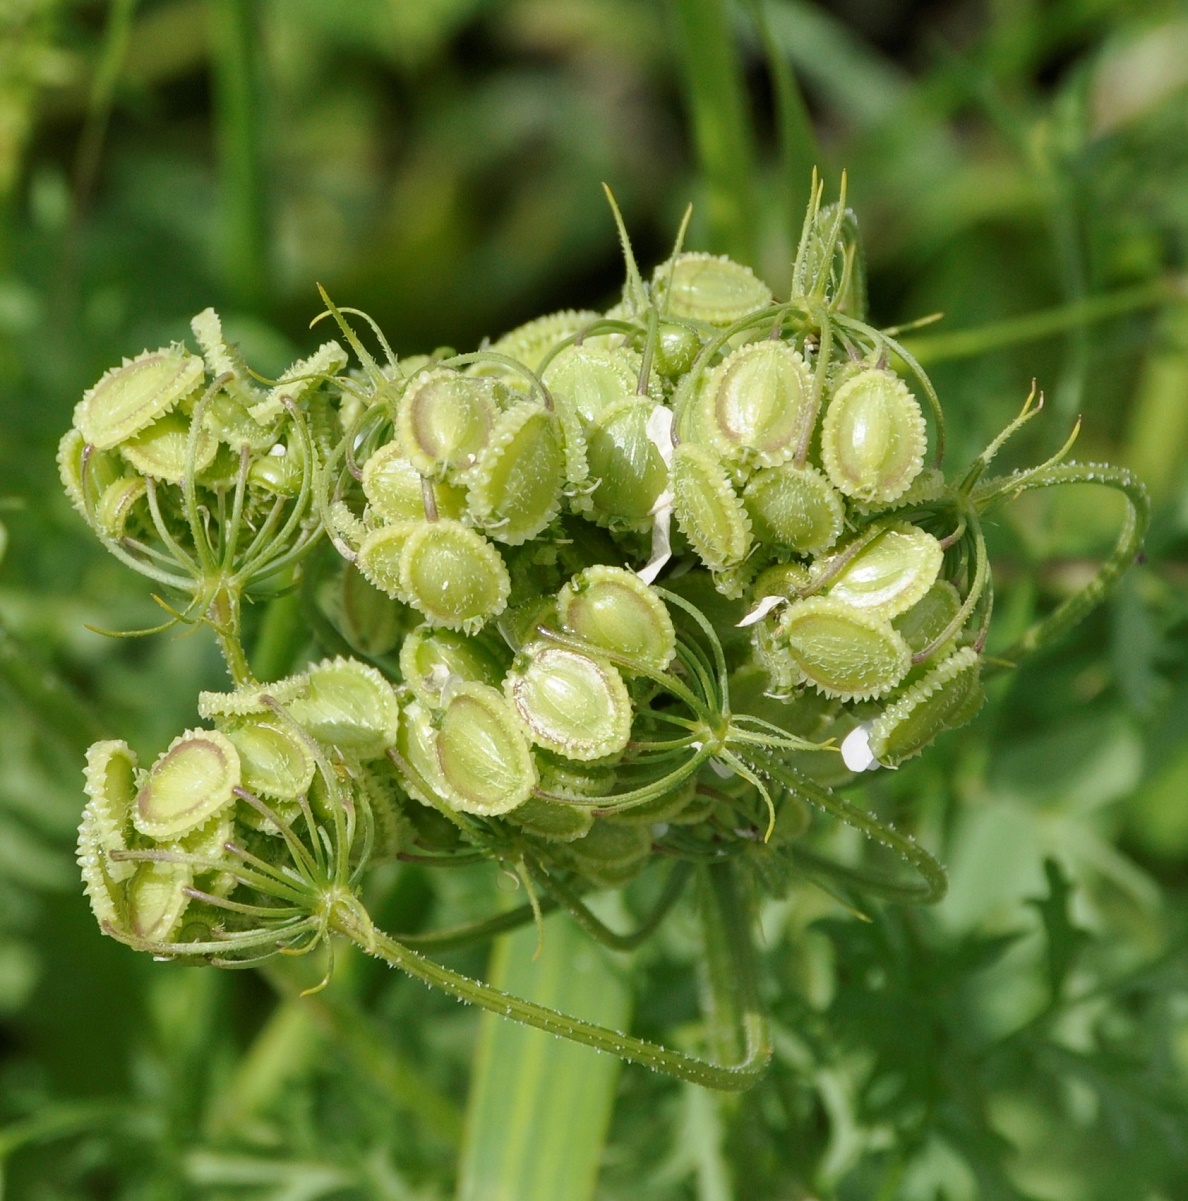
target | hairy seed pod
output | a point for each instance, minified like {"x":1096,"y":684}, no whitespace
{"x":111,"y":792}
{"x":842,"y":651}
{"x":415,"y":754}
{"x":514,"y":490}
{"x":667,"y":808}
{"x":348,"y":705}
{"x":574,"y":779}
{"x":230,"y":422}
{"x":706,"y":287}
{"x":795,"y":508}
{"x":873,"y":437}
{"x":569,"y":703}
{"x":129,"y":398}
{"x":116,"y":505}
{"x":160,"y":450}
{"x":395,"y":489}
{"x":788,"y":580}
{"x":301,"y":379}
{"x":949,"y":696}
{"x":627,"y":464}
{"x":707,"y":508}
{"x":252,"y":699}
{"x":155,"y":900}
{"x":371,"y":621}
{"x":930,"y":616}
{"x":444,"y":420}
{"x":452,"y":575}
{"x":209,"y":842}
{"x":756,"y":402}
{"x":380,"y":553}
{"x":593,"y":377}
{"x":188,"y":784}
{"x":612,"y":853}
{"x":273,"y":760}
{"x":484,"y":758}
{"x":552,"y":820}
{"x":890,"y":573}
{"x":677,"y":348}
{"x":613,"y":609}
{"x":529,"y":343}
{"x":430,"y":657}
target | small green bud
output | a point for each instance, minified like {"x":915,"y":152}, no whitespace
{"x":706,"y":287}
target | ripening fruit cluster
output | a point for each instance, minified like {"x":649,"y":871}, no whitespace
{"x":528,"y":538}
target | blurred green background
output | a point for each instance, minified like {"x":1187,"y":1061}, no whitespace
{"x":437,"y":163}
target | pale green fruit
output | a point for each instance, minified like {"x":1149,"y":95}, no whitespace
{"x":160,"y":450}
{"x":570,"y":703}
{"x":444,"y":420}
{"x":627,"y":464}
{"x":514,"y":490}
{"x":613,"y":609}
{"x":395,"y":490}
{"x":593,"y":378}
{"x":129,"y":398}
{"x":484,"y":759}
{"x":529,"y":343}
{"x":348,"y":705}
{"x":155,"y":899}
{"x":707,"y":508}
{"x":756,"y":404}
{"x":873,"y":437}
{"x":890,"y":573}
{"x":845,"y":652}
{"x":553,"y":821}
{"x":431,"y":657}
{"x":709,"y":288}
{"x":273,"y":760}
{"x":188,"y":784}
{"x":930,"y":616}
{"x":949,"y":696}
{"x":795,"y":508}
{"x":452,"y":575}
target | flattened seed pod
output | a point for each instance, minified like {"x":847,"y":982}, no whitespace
{"x":783,"y":579}
{"x":452,"y":575}
{"x":529,"y":343}
{"x":280,"y":474}
{"x":348,"y":705}
{"x":273,"y":761}
{"x":484,"y":758}
{"x":129,"y":398}
{"x":794,"y":507}
{"x":444,"y":420}
{"x":843,"y":651}
{"x":630,"y":470}
{"x":514,"y":490}
{"x":573,"y":779}
{"x":930,"y":616}
{"x":111,"y":792}
{"x":160,"y":450}
{"x":873,"y":437}
{"x":615,"y":610}
{"x":756,"y":403}
{"x":593,"y":377}
{"x":947,"y":697}
{"x":667,"y":808}
{"x":155,"y":899}
{"x":417,"y":755}
{"x":380,"y":554}
{"x":246,"y":701}
{"x":707,"y":509}
{"x":710,"y":288}
{"x":429,"y":656}
{"x":371,"y":622}
{"x":552,"y":820}
{"x":188,"y":784}
{"x":569,"y":703}
{"x":227,"y":419}
{"x":394,"y":489}
{"x":891,"y":573}
{"x":116,"y":505}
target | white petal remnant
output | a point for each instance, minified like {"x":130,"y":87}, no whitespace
{"x":761,"y":610}
{"x":855,"y":749}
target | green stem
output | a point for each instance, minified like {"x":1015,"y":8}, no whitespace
{"x":716,"y":100}
{"x":243,"y":177}
{"x":933,"y":883}
{"x":1016,"y":331}
{"x":282,"y":635}
{"x":346,"y":920}
{"x":1126,"y":548}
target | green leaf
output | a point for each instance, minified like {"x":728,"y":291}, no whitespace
{"x":539,"y":1106}
{"x":1065,"y":940}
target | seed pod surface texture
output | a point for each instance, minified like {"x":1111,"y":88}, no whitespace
{"x":189,"y":782}
{"x":706,"y":287}
{"x":484,"y":758}
{"x":873,"y":437}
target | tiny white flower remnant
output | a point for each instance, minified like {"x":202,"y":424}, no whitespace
{"x":659,"y":430}
{"x":855,"y":749}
